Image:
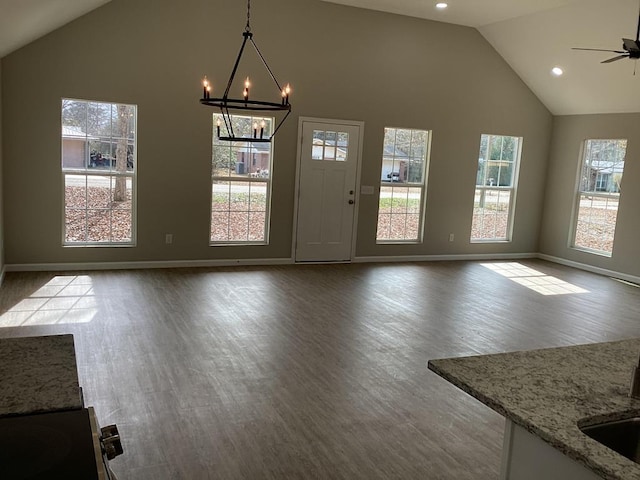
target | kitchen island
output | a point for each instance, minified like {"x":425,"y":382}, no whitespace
{"x":544,"y":396}
{"x":38,"y":374}
{"x":45,"y":430}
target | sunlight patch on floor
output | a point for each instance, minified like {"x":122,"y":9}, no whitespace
{"x":62,"y":300}
{"x":533,"y":279}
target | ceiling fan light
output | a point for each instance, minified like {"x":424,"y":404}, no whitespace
{"x":441,"y":5}
{"x":557,"y":71}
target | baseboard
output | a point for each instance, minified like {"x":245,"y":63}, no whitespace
{"x":441,"y":258}
{"x":590,"y":268}
{"x":57,"y":267}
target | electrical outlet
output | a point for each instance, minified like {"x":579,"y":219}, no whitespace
{"x":451,"y":237}
{"x":168,"y":238}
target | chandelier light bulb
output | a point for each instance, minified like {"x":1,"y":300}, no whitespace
{"x":285,"y":94}
{"x":206,"y":88}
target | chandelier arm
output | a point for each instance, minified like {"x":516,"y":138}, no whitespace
{"x":224,"y":118}
{"x":227,"y":120}
{"x":246,"y":35}
{"x":279,"y":124}
{"x":265,"y":64}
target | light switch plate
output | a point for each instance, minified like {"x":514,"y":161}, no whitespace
{"x":366,"y":189}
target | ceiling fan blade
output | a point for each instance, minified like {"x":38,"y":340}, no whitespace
{"x":599,"y":50}
{"x":619,"y":57}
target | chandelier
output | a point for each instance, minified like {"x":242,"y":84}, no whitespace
{"x":229,"y":105}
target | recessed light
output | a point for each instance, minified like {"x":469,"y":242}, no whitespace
{"x":557,"y":71}
{"x":441,"y":5}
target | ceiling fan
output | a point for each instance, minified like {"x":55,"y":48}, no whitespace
{"x":630,"y":48}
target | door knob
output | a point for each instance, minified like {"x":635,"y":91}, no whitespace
{"x":351,"y":202}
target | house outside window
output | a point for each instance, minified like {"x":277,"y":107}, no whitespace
{"x":99,"y":173}
{"x":598,"y":195}
{"x":495,"y":192}
{"x":401,"y":207}
{"x":241,"y":184}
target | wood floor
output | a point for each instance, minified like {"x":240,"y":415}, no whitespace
{"x":296,"y":372}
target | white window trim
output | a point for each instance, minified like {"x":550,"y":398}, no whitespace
{"x":87,"y":173}
{"x":231,"y":178}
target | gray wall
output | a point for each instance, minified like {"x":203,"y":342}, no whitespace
{"x":569,"y":133}
{"x":343,"y":63}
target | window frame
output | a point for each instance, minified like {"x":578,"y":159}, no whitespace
{"x":231,"y":178}
{"x":111,"y":173}
{"x":578,"y":193}
{"x":513,"y":190}
{"x":422,"y":186}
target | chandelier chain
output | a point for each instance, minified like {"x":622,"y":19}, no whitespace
{"x":248,"y":27}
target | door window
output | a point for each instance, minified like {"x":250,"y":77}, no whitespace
{"x":331,"y":146}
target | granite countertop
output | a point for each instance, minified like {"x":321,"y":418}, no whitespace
{"x":38,"y":374}
{"x":548,"y":392}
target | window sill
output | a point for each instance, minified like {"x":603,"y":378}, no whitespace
{"x":398,"y":242}
{"x":98,"y":245}
{"x":593,"y":252}
{"x":238,"y":244}
{"x":490,"y":240}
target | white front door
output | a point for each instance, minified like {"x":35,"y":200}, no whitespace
{"x":329,"y":156}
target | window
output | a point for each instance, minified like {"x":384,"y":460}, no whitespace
{"x":598,"y":195}
{"x":241,"y":184}
{"x":496,"y":180}
{"x":330,"y":146}
{"x":98,"y":169}
{"x":402,"y":186}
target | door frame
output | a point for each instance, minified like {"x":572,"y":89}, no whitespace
{"x":354,"y":233}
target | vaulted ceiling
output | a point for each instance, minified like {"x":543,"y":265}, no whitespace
{"x":533,"y":36}
{"x":23,"y":21}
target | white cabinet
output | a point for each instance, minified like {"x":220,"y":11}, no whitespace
{"x":527,"y":457}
